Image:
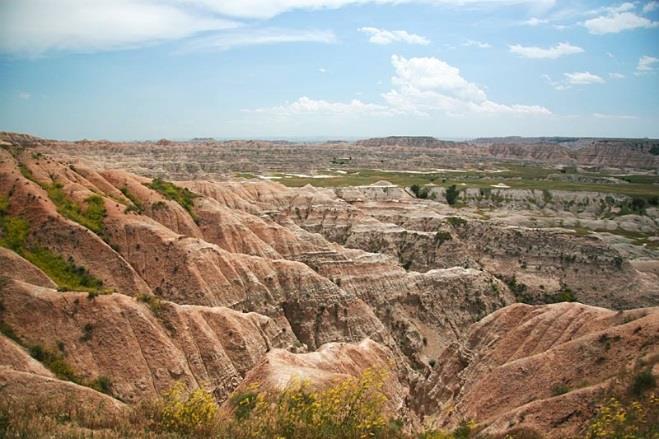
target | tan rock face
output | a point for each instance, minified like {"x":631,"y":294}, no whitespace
{"x":142,"y":352}
{"x":259,"y":283}
{"x":513,"y":361}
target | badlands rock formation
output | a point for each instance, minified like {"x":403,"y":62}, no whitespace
{"x":224,"y":284}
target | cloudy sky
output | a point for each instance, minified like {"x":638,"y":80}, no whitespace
{"x":147,"y":69}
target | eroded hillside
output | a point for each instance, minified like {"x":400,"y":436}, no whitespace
{"x":118,"y":283}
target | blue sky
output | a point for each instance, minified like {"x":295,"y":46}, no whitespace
{"x":147,"y":69}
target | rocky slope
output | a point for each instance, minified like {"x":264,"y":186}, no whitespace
{"x":540,"y":368}
{"x":141,"y":283}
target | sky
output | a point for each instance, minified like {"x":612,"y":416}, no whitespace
{"x":151,"y":69}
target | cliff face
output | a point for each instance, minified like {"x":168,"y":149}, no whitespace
{"x":616,"y":153}
{"x":224,"y":284}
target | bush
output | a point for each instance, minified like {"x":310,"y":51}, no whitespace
{"x":55,"y":362}
{"x":441,"y":237}
{"x":102,"y":384}
{"x":633,"y":420}
{"x":351,"y":408}
{"x":456,"y":221}
{"x":189,"y":415}
{"x":559,"y":389}
{"x":452,"y":194}
{"x":643,"y":381}
{"x":419,"y":191}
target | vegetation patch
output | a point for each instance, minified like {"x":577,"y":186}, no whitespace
{"x":182,"y":196}
{"x":643,"y":382}
{"x":452,"y":194}
{"x":55,"y":362}
{"x":64,"y":272}
{"x":619,"y":419}
{"x":91,"y":216}
{"x":421,"y":191}
{"x":456,"y":221}
{"x":136,"y":205}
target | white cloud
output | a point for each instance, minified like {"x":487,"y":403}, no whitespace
{"x":322,"y":70}
{"x":32,"y":27}
{"x":534,"y":21}
{"x":421,"y":86}
{"x":651,"y":6}
{"x":430,"y":84}
{"x":382,"y":36}
{"x":479,"y":44}
{"x":271,"y":8}
{"x":306,"y":105}
{"x":646,"y":65}
{"x":575,"y":78}
{"x":614,"y":116}
{"x":561,"y":49}
{"x":617,"y":20}
{"x":252,"y":37}
{"x":616,"y":76}
{"x":583,"y":78}
{"x":24,"y":95}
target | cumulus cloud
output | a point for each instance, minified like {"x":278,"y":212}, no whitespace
{"x":421,"y":86}
{"x":430,"y":84}
{"x":619,"y":18}
{"x":383,"y":37}
{"x":646,"y":64}
{"x":251,"y":37}
{"x":532,"y":52}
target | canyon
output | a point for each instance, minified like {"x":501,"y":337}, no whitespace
{"x":146,"y":264}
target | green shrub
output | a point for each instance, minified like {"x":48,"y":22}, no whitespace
{"x":559,"y":389}
{"x":243,"y":403}
{"x":452,"y":194}
{"x":456,"y":221}
{"x":442,"y":236}
{"x":419,"y":191}
{"x":102,"y":384}
{"x":54,"y":362}
{"x":643,"y":381}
